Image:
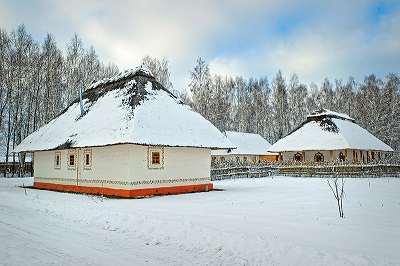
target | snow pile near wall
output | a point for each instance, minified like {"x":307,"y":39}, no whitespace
{"x":141,"y":112}
{"x":266,"y":221}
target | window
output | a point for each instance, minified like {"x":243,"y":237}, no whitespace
{"x":71,"y":160}
{"x":57,"y":160}
{"x":87,"y":159}
{"x":318,"y":157}
{"x":155,"y":158}
{"x":342,"y":158}
{"x":297,"y":157}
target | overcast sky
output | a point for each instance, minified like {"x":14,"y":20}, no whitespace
{"x":315,"y":39}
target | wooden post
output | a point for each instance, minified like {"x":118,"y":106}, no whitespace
{"x":331,"y":156}
{"x":303,"y":156}
{"x":279,"y":156}
{"x":346,"y":155}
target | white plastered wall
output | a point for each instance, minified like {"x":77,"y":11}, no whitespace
{"x":180,"y":163}
{"x":126,"y":166}
{"x":309,"y":155}
{"x":44,"y":168}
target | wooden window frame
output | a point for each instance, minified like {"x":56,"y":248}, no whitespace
{"x":155,"y":158}
{"x":298,"y":157}
{"x":71,"y":159}
{"x":342,"y":157}
{"x":57,"y":160}
{"x":319,"y":155}
{"x":87,"y":159}
{"x":71,"y":166}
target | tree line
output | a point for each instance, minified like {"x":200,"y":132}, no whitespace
{"x":275,"y":108}
{"x":37,"y":81}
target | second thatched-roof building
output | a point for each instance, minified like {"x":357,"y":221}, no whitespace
{"x":329,"y":136}
{"x":250,"y":147}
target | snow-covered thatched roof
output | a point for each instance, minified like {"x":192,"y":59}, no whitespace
{"x":327,"y":130}
{"x":131,"y":107}
{"x":246,"y":143}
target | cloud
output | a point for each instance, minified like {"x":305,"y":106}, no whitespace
{"x":228,"y":67}
{"x":6,"y":17}
{"x":334,"y":42}
{"x":126,"y":31}
{"x":315,"y":39}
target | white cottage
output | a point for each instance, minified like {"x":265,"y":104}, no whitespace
{"x":132,"y":138}
{"x":250,"y":147}
{"x":329,"y":136}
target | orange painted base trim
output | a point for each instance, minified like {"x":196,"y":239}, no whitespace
{"x":125,"y":193}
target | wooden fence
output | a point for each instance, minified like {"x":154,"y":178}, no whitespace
{"x":12,"y":169}
{"x":310,"y":170}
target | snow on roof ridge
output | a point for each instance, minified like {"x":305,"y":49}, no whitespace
{"x":142,"y":69}
{"x":326,"y":112}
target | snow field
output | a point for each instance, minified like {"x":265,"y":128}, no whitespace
{"x":265,"y":221}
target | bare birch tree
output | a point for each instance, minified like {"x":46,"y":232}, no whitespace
{"x":337,"y":186}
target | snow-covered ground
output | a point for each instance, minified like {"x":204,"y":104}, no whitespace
{"x":265,"y":221}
